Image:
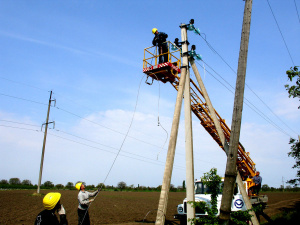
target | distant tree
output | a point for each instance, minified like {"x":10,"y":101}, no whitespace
{"x":89,"y":187}
{"x":121,"y":185}
{"x":59,"y":186}
{"x":70,"y":185}
{"x":158,"y":188}
{"x":288,"y":187}
{"x":3,"y":182}
{"x":265,"y":187}
{"x":14,"y":181}
{"x":183,"y":184}
{"x":295,"y":153}
{"x":101,"y":185}
{"x":294,"y":90}
{"x":48,"y":184}
{"x":26,"y":182}
{"x":172,"y":187}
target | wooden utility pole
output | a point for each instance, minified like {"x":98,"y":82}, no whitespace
{"x":164,"y":194}
{"x":231,"y":171}
{"x":44,"y":144}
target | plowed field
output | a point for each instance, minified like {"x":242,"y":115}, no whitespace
{"x":21,"y":206}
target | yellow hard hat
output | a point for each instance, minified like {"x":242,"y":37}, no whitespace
{"x":154,"y":30}
{"x":78,"y":185}
{"x":50,"y":200}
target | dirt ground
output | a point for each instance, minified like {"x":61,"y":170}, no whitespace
{"x":126,"y":208}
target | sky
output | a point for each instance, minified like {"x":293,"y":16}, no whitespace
{"x":90,"y":55}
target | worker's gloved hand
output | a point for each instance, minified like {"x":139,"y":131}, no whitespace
{"x":61,"y":211}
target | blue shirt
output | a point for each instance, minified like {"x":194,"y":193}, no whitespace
{"x":257,"y":179}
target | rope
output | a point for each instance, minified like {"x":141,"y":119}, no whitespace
{"x":118,"y":151}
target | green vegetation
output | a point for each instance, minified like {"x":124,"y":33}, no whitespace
{"x":213,"y":181}
{"x":293,"y":90}
{"x":15,"y":183}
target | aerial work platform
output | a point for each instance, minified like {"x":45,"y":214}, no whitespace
{"x":166,"y":71}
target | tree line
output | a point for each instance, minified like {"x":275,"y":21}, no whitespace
{"x":16,"y":183}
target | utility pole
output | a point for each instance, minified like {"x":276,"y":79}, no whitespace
{"x":189,"y":155}
{"x":44,"y":143}
{"x":164,"y":194}
{"x":222,"y":138}
{"x":231,"y":171}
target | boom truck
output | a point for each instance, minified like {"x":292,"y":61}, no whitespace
{"x":169,"y":72}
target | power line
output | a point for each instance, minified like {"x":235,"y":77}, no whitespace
{"x":24,"y":99}
{"x":281,"y":33}
{"x":17,"y":82}
{"x":21,"y":128}
{"x":9,"y":121}
{"x":210,"y":46}
{"x":297,"y":10}
{"x":247,"y":102}
{"x":93,"y":122}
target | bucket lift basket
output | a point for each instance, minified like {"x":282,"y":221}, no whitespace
{"x":166,"y":71}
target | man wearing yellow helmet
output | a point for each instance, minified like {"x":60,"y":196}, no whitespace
{"x":51,"y":203}
{"x":84,"y":201}
{"x":159,"y":40}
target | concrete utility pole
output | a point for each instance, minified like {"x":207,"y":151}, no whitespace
{"x":44,"y":144}
{"x":231,"y":172}
{"x":189,"y":155}
{"x":222,"y":138}
{"x":164,"y":194}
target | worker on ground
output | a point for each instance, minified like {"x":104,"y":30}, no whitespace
{"x":84,"y":201}
{"x":51,"y":203}
{"x":160,"y":41}
{"x":257,"y":181}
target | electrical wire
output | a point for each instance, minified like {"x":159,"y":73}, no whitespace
{"x":246,"y":86}
{"x":95,"y":123}
{"x":118,"y":151}
{"x":248,"y":103}
{"x":21,"y":128}
{"x":20,"y":83}
{"x":9,"y":121}
{"x":24,"y":99}
{"x":280,"y":33}
{"x":297,"y":10}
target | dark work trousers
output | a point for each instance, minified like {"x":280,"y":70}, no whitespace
{"x":83,"y":214}
{"x":256,"y":189}
{"x":163,"y":49}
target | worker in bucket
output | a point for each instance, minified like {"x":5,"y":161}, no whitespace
{"x":257,"y":183}
{"x":159,"y":40}
{"x":51,"y":203}
{"x":84,"y":202}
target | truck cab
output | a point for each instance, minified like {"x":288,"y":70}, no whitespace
{"x":203,"y":193}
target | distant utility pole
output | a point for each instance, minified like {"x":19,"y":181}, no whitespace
{"x":231,"y":171}
{"x":44,"y":143}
